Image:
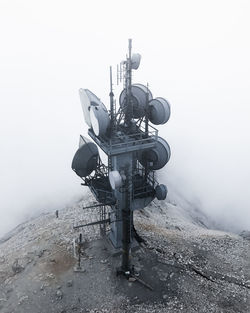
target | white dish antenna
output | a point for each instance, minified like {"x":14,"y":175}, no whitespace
{"x":135,"y":61}
{"x":115,"y":179}
{"x":99,"y":118}
{"x":88,"y":99}
{"x":103,"y":156}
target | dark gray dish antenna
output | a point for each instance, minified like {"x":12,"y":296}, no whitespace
{"x":159,"y":111}
{"x":161,"y":192}
{"x":85,"y":159}
{"x":139,"y":99}
{"x":157,"y":157}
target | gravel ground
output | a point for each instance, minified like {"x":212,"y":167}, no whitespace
{"x":190,"y":268}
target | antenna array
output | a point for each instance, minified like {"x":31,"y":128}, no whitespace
{"x":134,"y":151}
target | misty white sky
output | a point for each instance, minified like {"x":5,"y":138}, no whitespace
{"x":194,"y":53}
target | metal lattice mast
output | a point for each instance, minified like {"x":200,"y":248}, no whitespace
{"x":134,"y":152}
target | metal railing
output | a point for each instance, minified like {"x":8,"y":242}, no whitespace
{"x":122,"y":142}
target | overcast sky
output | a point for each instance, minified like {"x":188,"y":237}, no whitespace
{"x":194,"y":53}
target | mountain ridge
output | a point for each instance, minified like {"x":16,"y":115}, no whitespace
{"x":190,"y":267}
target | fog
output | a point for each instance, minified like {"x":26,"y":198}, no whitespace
{"x":194,"y":53}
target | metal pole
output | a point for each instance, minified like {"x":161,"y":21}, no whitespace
{"x":126,"y":211}
{"x":130,"y":79}
{"x":111,"y":95}
{"x":147,"y":113}
{"x":126,"y":225}
{"x":146,"y":129}
{"x":129,"y":104}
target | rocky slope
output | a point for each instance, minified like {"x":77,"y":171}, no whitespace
{"x":190,"y":268}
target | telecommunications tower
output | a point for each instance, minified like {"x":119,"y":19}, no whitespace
{"x":134,"y":151}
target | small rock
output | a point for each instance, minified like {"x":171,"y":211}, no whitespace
{"x":70,"y":283}
{"x":50,"y":275}
{"x":17,"y":268}
{"x":2,"y":259}
{"x":40,"y":253}
{"x":74,"y":308}
{"x":178,"y":228}
{"x":165,"y":297}
{"x":8,"y":281}
{"x":171,"y":275}
{"x":104,"y":261}
{"x":159,"y":250}
{"x":23,"y":299}
{"x":131,"y":279}
{"x":59,"y":294}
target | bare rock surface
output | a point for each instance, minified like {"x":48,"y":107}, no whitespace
{"x":190,"y":268}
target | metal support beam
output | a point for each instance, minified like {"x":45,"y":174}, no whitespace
{"x":126,"y":223}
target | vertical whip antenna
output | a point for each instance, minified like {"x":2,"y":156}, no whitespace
{"x":111,"y":95}
{"x":128,"y":82}
{"x":121,"y":72}
{"x":117,"y":75}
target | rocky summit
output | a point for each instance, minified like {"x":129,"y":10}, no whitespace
{"x":181,"y":265}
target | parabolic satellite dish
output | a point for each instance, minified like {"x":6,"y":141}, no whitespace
{"x":139,"y":99}
{"x":156,"y":157}
{"x":103,"y":156}
{"x":83,"y":140}
{"x":115,"y":179}
{"x":85,"y":159}
{"x":161,"y":192}
{"x":99,"y":118}
{"x":88,"y":100}
{"x":135,"y":60}
{"x":159,"y":111}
